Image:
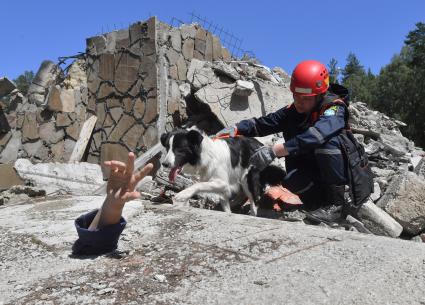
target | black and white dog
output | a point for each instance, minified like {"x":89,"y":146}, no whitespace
{"x":223,"y":165}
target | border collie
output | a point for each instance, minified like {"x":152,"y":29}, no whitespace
{"x":223,"y":165}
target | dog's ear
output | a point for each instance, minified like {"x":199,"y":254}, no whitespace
{"x":164,"y":138}
{"x":194,"y":137}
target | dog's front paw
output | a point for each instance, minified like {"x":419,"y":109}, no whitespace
{"x":183,"y":196}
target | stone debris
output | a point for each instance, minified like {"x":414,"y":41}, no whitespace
{"x":160,"y":278}
{"x":223,"y":68}
{"x":6,"y":86}
{"x":20,"y":194}
{"x":203,"y":257}
{"x":77,"y":178}
{"x":416,"y":163}
{"x":46,"y":76}
{"x":9,"y":177}
{"x":376,"y":192}
{"x":378,"y":221}
{"x":129,"y":87}
{"x":83,"y":139}
{"x":404,"y":201}
{"x":61,"y":100}
{"x":243,"y":88}
{"x":133,"y":84}
{"x":45,"y":123}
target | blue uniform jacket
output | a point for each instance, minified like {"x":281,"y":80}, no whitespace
{"x":301,"y":137}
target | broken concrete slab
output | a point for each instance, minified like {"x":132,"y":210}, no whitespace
{"x":243,"y":88}
{"x":376,"y":192}
{"x":83,"y":139}
{"x":416,"y":163}
{"x":404,"y":200}
{"x":285,"y":77}
{"x":195,"y":64}
{"x":8,"y":177}
{"x":77,"y":178}
{"x":222,"y":68}
{"x":378,"y":221}
{"x":265,"y":74}
{"x":207,"y":256}
{"x":200,"y":74}
{"x":6,"y":86}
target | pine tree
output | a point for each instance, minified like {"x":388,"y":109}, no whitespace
{"x":333,"y":71}
{"x":354,"y":78}
{"x":352,"y":68}
{"x":23,"y":81}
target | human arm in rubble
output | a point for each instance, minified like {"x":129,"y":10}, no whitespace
{"x":257,"y":127}
{"x":329,"y":124}
{"x":99,"y":230}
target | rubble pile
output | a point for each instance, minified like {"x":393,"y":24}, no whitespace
{"x":397,"y":164}
{"x":133,"y":84}
{"x":45,"y":124}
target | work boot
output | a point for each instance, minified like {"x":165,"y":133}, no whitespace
{"x":331,"y":213}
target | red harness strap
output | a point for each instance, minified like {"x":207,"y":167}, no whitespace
{"x":226,"y":136}
{"x":314,"y":116}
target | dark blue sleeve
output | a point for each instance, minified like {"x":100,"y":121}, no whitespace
{"x":327,"y":126}
{"x":264,"y":126}
{"x":98,"y":241}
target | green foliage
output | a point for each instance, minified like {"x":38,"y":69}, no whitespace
{"x":353,"y":68}
{"x":399,"y":88}
{"x":333,"y":71}
{"x":354,"y":77}
{"x":23,"y":81}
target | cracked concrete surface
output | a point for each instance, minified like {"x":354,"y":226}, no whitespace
{"x":194,"y":256}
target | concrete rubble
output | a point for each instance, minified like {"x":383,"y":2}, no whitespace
{"x":195,"y":256}
{"x":78,"y":178}
{"x":6,"y":86}
{"x":119,"y":96}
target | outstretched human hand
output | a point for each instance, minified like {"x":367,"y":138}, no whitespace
{"x":122,"y":181}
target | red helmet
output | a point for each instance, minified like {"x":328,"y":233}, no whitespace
{"x":310,"y":78}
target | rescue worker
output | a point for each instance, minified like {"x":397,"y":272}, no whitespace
{"x":310,"y":125}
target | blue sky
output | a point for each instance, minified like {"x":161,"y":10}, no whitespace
{"x":281,"y":33}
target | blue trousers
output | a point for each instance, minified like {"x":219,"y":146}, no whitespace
{"x":309,"y":175}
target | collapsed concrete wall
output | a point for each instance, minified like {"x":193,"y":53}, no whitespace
{"x":136,"y":81}
{"x":133,"y":84}
{"x":122,"y":91}
{"x":45,"y":124}
{"x":133,"y":78}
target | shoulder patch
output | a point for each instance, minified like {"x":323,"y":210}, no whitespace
{"x":331,"y":111}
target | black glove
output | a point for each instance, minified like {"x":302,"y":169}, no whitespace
{"x":262,"y":157}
